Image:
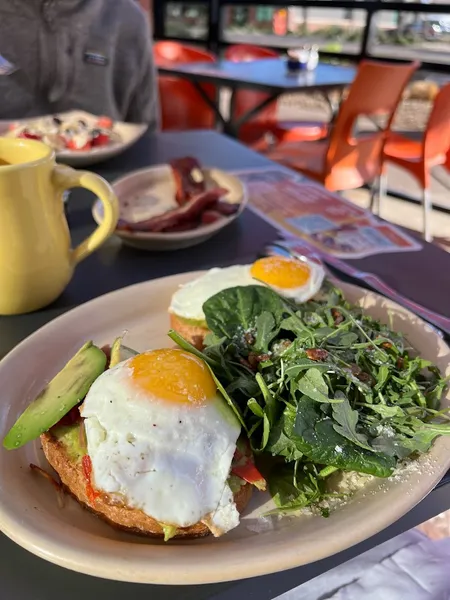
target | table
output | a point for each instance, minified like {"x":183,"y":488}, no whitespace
{"x":268,"y":75}
{"x":420,"y":274}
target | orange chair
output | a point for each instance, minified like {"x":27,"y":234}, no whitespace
{"x":344,"y":161}
{"x":254,"y":131}
{"x":418,"y":157}
{"x":182,"y":107}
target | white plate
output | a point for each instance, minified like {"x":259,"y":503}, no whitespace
{"x":129,"y":134}
{"x":141,"y":190}
{"x":75,"y":539}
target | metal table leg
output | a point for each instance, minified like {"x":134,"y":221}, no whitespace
{"x":231,"y":126}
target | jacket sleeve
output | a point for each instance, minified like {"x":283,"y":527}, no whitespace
{"x":144,"y":102}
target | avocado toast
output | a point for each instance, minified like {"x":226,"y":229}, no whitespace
{"x":55,"y":417}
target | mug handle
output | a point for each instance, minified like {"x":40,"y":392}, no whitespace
{"x":65,"y":178}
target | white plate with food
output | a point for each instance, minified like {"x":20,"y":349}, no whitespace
{"x":153,"y":450}
{"x":174,"y":206}
{"x":78,"y":138}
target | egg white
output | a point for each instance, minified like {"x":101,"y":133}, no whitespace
{"x":170,"y":460}
{"x":187,"y":302}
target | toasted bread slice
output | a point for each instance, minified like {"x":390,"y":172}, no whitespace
{"x":192,"y":333}
{"x":118,"y":515}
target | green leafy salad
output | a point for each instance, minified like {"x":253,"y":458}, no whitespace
{"x":319,"y":388}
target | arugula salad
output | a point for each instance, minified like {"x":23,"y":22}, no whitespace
{"x":321,"y":389}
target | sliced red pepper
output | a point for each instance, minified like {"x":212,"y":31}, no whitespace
{"x":243,"y":465}
{"x":87,"y":471}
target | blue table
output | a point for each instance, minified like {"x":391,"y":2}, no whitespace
{"x":268,"y":75}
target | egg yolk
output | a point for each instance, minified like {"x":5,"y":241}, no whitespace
{"x":174,"y":376}
{"x":281,"y":272}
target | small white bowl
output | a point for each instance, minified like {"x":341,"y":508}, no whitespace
{"x":140,"y":191}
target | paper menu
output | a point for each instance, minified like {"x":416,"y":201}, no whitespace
{"x":300,"y":207}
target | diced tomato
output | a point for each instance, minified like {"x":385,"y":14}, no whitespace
{"x":72,"y":146}
{"x":243,"y":465}
{"x":87,"y":472}
{"x":104,"y":122}
{"x":100,"y":140}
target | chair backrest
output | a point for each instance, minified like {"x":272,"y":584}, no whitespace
{"x":173,"y":52}
{"x":242,"y":52}
{"x":246,"y":100}
{"x":376,"y":90}
{"x":437,"y":134}
{"x":182,"y":107}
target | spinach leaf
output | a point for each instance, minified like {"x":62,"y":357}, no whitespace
{"x":346,"y":421}
{"x":316,"y":437}
{"x":244,"y":383}
{"x":234,"y":311}
{"x":265,"y":330}
{"x":270,"y":410}
{"x":383,"y":376}
{"x":387,"y":412}
{"x":424,"y":436}
{"x":391,"y":445}
{"x":313,"y":385}
{"x":281,"y":442}
{"x":294,"y":486}
{"x":345,"y":340}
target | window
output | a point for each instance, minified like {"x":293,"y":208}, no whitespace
{"x":408,"y":35}
{"x":186,"y":20}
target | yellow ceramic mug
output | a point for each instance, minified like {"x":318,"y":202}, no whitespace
{"x":36,"y":258}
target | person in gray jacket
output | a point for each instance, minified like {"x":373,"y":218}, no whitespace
{"x":93,"y":55}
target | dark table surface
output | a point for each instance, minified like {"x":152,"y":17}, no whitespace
{"x":267,"y":74}
{"x":421,"y":275}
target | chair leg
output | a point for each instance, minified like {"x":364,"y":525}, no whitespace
{"x":427,"y":208}
{"x":378,"y":191}
{"x":373,"y":194}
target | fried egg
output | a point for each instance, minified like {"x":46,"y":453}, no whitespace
{"x":161,"y":438}
{"x":291,"y":278}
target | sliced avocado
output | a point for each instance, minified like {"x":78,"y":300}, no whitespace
{"x":193,"y":322}
{"x":72,"y":440}
{"x":119,"y":352}
{"x":169,"y":531}
{"x":63,"y":392}
{"x":235,"y":483}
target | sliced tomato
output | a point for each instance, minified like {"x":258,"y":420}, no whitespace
{"x":243,"y":465}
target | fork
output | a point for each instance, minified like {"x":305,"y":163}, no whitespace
{"x":302,"y":251}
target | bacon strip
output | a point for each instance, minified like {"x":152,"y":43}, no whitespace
{"x":188,"y":212}
{"x":187,"y":187}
